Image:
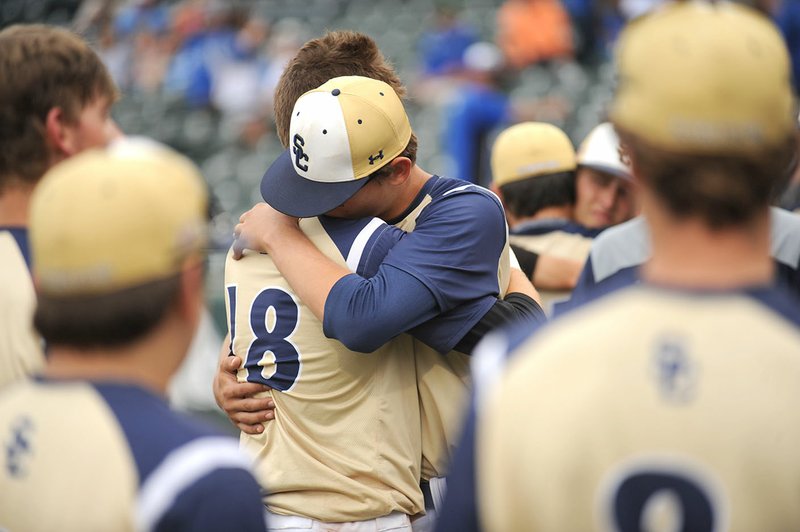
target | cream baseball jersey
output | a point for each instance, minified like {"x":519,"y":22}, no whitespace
{"x":98,"y":456}
{"x":669,"y":410}
{"x":558,"y":238}
{"x":20,"y":347}
{"x":345,"y":442}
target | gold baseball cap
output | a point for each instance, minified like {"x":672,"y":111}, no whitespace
{"x":531,"y":149}
{"x":705,"y":78}
{"x":117,"y":217}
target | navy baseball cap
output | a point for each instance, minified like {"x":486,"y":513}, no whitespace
{"x":340,"y":134}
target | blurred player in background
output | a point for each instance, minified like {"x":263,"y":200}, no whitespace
{"x":55,"y":100}
{"x":681,"y":421}
{"x":533,"y":169}
{"x":605,"y":194}
{"x":92,"y":440}
{"x":554,"y":217}
{"x":618,"y":253}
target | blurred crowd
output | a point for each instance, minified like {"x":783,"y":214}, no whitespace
{"x":200,"y":74}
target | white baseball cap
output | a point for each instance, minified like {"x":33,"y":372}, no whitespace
{"x":600,"y":150}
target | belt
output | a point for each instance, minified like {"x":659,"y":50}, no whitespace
{"x":425,"y":486}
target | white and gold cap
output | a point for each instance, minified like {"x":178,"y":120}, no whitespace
{"x":340,"y":133}
{"x":600,"y":150}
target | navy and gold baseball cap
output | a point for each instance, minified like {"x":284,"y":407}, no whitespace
{"x":340,"y":133}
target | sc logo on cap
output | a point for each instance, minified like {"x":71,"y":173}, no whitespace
{"x":299,"y":154}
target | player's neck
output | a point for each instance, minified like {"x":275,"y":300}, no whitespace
{"x":15,"y":202}
{"x":688,"y":254}
{"x":411,"y":188}
{"x":149,"y":362}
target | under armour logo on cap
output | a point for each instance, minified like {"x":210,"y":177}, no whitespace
{"x":299,"y":154}
{"x":373,"y":158}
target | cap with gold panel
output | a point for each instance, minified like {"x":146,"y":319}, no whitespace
{"x":668,"y":95}
{"x":117,"y":217}
{"x":340,"y":133}
{"x":531,"y":149}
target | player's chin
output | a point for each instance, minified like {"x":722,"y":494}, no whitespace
{"x":600,"y":219}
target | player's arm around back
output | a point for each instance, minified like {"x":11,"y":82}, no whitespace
{"x":450,"y":259}
{"x":310,"y":273}
{"x":240,"y":400}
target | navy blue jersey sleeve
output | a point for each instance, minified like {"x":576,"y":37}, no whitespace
{"x":446,"y":268}
{"x":363,"y":242}
{"x":455,"y":248}
{"x":226,"y":499}
{"x":364,"y":314}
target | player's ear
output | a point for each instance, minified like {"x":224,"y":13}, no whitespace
{"x":401,"y":169}
{"x":60,"y":135}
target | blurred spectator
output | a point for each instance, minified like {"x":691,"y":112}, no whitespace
{"x":786,"y":14}
{"x":442,"y":48}
{"x":142,"y":15}
{"x":286,"y":38}
{"x":582,"y":14}
{"x":532,"y":31}
{"x":238,"y":88}
{"x":191,"y":71}
{"x":480,"y":106}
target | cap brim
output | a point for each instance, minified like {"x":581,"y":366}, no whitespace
{"x":290,"y":193}
{"x":602,"y":167}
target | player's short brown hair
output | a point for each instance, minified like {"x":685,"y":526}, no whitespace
{"x":722,"y":190}
{"x":526,"y":197}
{"x":107,"y":320}
{"x":337,"y":53}
{"x":41,"y":68}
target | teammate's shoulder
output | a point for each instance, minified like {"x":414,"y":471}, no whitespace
{"x":621,"y":246}
{"x":448,"y":187}
{"x":463,"y":200}
{"x":615,"y":238}
{"x":153,"y":430}
{"x":785,"y":237}
{"x":778,"y":300}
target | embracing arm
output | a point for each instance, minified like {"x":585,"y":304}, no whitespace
{"x":238,"y":399}
{"x":377,"y":305}
{"x":548,"y":272}
{"x":522,"y":304}
{"x":307,"y":270}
